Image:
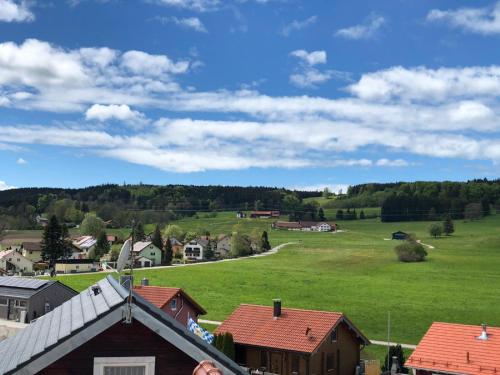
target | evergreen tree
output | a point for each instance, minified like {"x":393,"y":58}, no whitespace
{"x":209,"y":251}
{"x":266,"y":246}
{"x":485,"y":206}
{"x":157,"y":239}
{"x":55,"y":243}
{"x":139,"y":234}
{"x":395,"y":351}
{"x":102,"y":246}
{"x":362,"y":215}
{"x":321,"y":214}
{"x":340,"y":215}
{"x":448,"y":226}
{"x":168,"y":253}
{"x":435,"y":230}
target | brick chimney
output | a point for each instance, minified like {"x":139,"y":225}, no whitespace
{"x":277,"y":308}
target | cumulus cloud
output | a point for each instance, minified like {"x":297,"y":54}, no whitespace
{"x":121,"y":113}
{"x":21,"y":161}
{"x":297,"y":25}
{"x":485,"y":20}
{"x":365,"y":30}
{"x":11,"y":11}
{"x":306,"y":76}
{"x":4,"y":186}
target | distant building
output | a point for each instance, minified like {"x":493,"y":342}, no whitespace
{"x":146,"y":254}
{"x":111,"y":238}
{"x":194,"y":249}
{"x":23,"y":299}
{"x":83,"y":245}
{"x":313,"y":226}
{"x":240,"y":215}
{"x":288,"y":341}
{"x":399,"y":235}
{"x":264,"y":214}
{"x":177,"y":246}
{"x":32,"y":251}
{"x":174,"y":301}
{"x":90,"y":335}
{"x":449,"y":348}
{"x":65,"y":266}
{"x":223,"y":248}
{"x":13,"y":261}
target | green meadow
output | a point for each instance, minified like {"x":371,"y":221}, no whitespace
{"x":354,"y":271}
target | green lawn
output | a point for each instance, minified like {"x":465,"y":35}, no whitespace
{"x":355,"y":272}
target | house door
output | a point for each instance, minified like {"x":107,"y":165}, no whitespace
{"x":276,"y":360}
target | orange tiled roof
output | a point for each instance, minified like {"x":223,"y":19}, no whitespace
{"x":160,"y":296}
{"x":295,"y":330}
{"x":445,"y":346}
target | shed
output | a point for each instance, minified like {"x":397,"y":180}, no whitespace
{"x":399,"y":235}
{"x":31,"y":298}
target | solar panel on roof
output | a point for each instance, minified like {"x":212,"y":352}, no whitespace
{"x":19,"y":282}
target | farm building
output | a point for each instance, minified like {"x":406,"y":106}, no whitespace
{"x":76,"y":266}
{"x":449,"y":348}
{"x":99,"y":332}
{"x":399,"y":235}
{"x":23,"y":299}
{"x":146,"y":254}
{"x":173,"y":301}
{"x":313,"y":226}
{"x":32,"y":251}
{"x":264,"y":214}
{"x":13,"y":261}
{"x":286,"y":341}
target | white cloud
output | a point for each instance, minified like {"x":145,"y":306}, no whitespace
{"x":193,"y":23}
{"x":196,"y":5}
{"x":115,"y":112}
{"x":484,"y":20}
{"x":4,"y":186}
{"x":21,"y":161}
{"x":11,"y":11}
{"x":297,"y":25}
{"x":365,"y":30}
{"x":392,"y":163}
{"x":311,"y":58}
{"x":334,"y":188}
{"x":153,"y":65}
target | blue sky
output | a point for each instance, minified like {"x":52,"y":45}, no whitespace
{"x":292,"y":93}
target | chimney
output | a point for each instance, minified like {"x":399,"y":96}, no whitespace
{"x":126,"y":281}
{"x":484,"y":333}
{"x":145,"y":281}
{"x":395,"y":365}
{"x":277,"y":308}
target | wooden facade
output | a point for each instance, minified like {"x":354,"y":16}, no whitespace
{"x":124,"y":340}
{"x":338,"y":354}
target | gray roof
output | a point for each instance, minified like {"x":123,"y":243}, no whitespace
{"x":19,"y":282}
{"x":24,"y":288}
{"x":76,"y":315}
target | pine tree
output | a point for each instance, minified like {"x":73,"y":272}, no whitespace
{"x":102,"y":246}
{"x":362,"y":215}
{"x":157,"y":239}
{"x":266,"y":246}
{"x":168,"y":253}
{"x":228,"y":345}
{"x":321,"y":214}
{"x":55,"y":243}
{"x":340,"y":215}
{"x":448,"y":226}
{"x":139,"y":234}
{"x":395,"y":351}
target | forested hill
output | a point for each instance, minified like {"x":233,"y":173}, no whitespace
{"x":116,"y":202}
{"x":408,"y":201}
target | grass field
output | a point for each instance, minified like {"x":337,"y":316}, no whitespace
{"x":355,"y":272}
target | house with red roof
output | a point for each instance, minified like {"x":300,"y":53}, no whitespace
{"x":286,"y":341}
{"x":173,"y":301}
{"x":449,"y":348}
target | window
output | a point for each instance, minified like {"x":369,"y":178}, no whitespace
{"x":173,"y":304}
{"x":3,"y":301}
{"x":333,"y":335}
{"x":330,"y":362}
{"x":19,"y":303}
{"x":295,"y":363}
{"x":124,"y":365}
{"x":153,"y":254}
{"x":263,"y":359}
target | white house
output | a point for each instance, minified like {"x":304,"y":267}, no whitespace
{"x":322,"y":227}
{"x":194,"y":249}
{"x":83,"y":246}
{"x":11,"y":260}
{"x":147,"y":254}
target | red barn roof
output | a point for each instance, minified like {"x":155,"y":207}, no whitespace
{"x":160,"y":296}
{"x":295,"y":330}
{"x":455,"y":348}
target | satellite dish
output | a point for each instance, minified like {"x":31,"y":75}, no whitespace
{"x":124,"y":256}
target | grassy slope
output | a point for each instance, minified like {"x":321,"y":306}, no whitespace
{"x":355,"y":272}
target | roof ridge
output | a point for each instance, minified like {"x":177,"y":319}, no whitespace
{"x":294,"y":308}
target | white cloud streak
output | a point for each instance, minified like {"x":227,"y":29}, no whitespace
{"x":366,"y":30}
{"x":297,"y":25}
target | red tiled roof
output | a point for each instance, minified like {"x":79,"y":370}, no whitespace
{"x":160,"y":296}
{"x":445,"y":346}
{"x":255,"y":325}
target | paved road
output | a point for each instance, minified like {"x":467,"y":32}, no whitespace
{"x":374,"y":342}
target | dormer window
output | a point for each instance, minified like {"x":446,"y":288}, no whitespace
{"x":173,"y":304}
